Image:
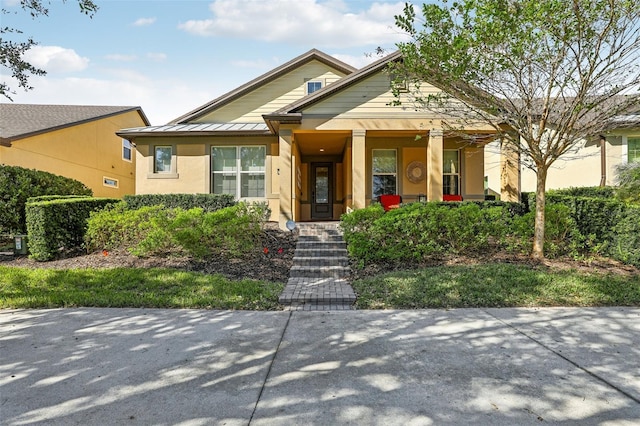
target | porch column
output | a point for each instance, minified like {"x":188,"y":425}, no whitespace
{"x":434,"y":165}
{"x":509,"y":171}
{"x":359,"y":169}
{"x":285,"y":170}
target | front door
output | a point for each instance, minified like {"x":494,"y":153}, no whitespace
{"x":321,"y":191}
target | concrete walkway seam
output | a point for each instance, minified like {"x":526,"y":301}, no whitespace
{"x":575,"y":364}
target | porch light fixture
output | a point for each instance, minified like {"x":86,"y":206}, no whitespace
{"x":321,"y":149}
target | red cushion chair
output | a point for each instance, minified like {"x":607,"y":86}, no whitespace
{"x":390,"y":201}
{"x":447,"y":197}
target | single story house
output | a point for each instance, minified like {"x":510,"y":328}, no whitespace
{"x":75,"y":141}
{"x":315,"y":138}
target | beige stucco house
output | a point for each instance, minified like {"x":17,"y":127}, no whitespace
{"x":75,"y":141}
{"x":313,"y":138}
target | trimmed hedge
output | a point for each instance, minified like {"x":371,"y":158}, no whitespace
{"x":18,"y":184}
{"x":586,"y":191}
{"x":59,"y":225}
{"x":207,"y":202}
{"x":625,"y":245}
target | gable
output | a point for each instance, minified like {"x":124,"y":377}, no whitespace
{"x":272,"y":95}
{"x":370,"y":97}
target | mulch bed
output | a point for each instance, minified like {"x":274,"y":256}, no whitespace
{"x":272,"y":264}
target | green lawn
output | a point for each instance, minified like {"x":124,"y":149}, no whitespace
{"x":130,"y":287}
{"x":495,"y":285}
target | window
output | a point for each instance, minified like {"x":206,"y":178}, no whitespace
{"x":451,"y":172}
{"x":312,"y":86}
{"x":384,"y":170}
{"x":633,"y":150}
{"x":126,"y":150}
{"x":238,"y":170}
{"x":162,"y":159}
{"x":110,"y":182}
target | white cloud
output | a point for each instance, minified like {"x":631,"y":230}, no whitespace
{"x":55,"y":59}
{"x":156,"y":56}
{"x":162,"y":100}
{"x":121,"y":58}
{"x":143,"y":22}
{"x":306,"y":22}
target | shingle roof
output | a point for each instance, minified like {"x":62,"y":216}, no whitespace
{"x":19,"y":121}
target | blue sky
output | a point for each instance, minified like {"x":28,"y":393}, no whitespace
{"x":171,"y":56}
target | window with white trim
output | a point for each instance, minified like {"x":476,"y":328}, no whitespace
{"x":313,"y":85}
{"x":126,"y":150}
{"x":451,"y":172}
{"x":385,"y":172}
{"x":110,"y":182}
{"x":633,"y":150}
{"x":162,"y":159}
{"x":238,"y":171}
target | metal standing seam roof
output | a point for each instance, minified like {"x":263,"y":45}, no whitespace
{"x":197,"y":128}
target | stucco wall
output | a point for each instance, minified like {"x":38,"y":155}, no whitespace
{"x":86,"y":152}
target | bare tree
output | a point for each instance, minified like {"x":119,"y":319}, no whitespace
{"x":544,"y":74}
{"x":12,"y":51}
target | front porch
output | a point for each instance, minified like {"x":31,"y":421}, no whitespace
{"x":324,"y":174}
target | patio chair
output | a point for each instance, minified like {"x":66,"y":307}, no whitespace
{"x":390,"y":201}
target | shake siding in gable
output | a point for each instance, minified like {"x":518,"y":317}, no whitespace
{"x":272,"y":96}
{"x":368,"y":98}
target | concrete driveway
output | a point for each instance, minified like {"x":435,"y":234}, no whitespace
{"x":195,"y":367}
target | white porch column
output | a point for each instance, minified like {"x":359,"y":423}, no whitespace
{"x":509,"y":172}
{"x":286,"y":172}
{"x":359,"y":168}
{"x":434,"y":165}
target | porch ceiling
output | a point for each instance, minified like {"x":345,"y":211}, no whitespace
{"x":322,"y":143}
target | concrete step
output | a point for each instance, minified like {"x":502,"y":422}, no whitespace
{"x":326,"y":238}
{"x":320,"y":261}
{"x":319,"y":272}
{"x":321,"y":252}
{"x":323,"y":245}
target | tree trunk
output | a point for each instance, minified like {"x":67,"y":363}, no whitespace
{"x":538,"y":232}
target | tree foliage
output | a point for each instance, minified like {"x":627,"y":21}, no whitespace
{"x":545,"y":74}
{"x":13,"y":45}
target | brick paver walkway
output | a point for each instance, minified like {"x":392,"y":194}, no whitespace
{"x":318,"y":279}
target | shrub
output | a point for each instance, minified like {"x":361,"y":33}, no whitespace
{"x":207,"y":202}
{"x":585,"y":191}
{"x":154,"y":230}
{"x":419,"y":230}
{"x":18,"y":184}
{"x":562,"y":236}
{"x":629,"y":182}
{"x":118,"y":227}
{"x":59,"y":225}
{"x":625,"y":245}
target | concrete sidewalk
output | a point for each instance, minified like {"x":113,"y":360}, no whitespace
{"x":193,"y":367}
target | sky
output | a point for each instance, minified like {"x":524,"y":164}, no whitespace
{"x":172,"y":56}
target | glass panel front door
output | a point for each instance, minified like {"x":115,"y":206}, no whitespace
{"x":321,"y":196}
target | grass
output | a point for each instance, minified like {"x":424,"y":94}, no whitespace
{"x":495,"y":285}
{"x":131,"y":287}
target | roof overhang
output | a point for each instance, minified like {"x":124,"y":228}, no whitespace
{"x":274,"y":121}
{"x":204,"y":129}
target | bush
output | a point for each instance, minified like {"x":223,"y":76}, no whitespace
{"x":625,"y":245}
{"x":629,"y":181}
{"x":585,"y":191}
{"x":419,"y":230}
{"x":561,"y":237}
{"x":18,"y":184}
{"x":207,"y":202}
{"x":156,"y":230}
{"x":59,"y":225}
